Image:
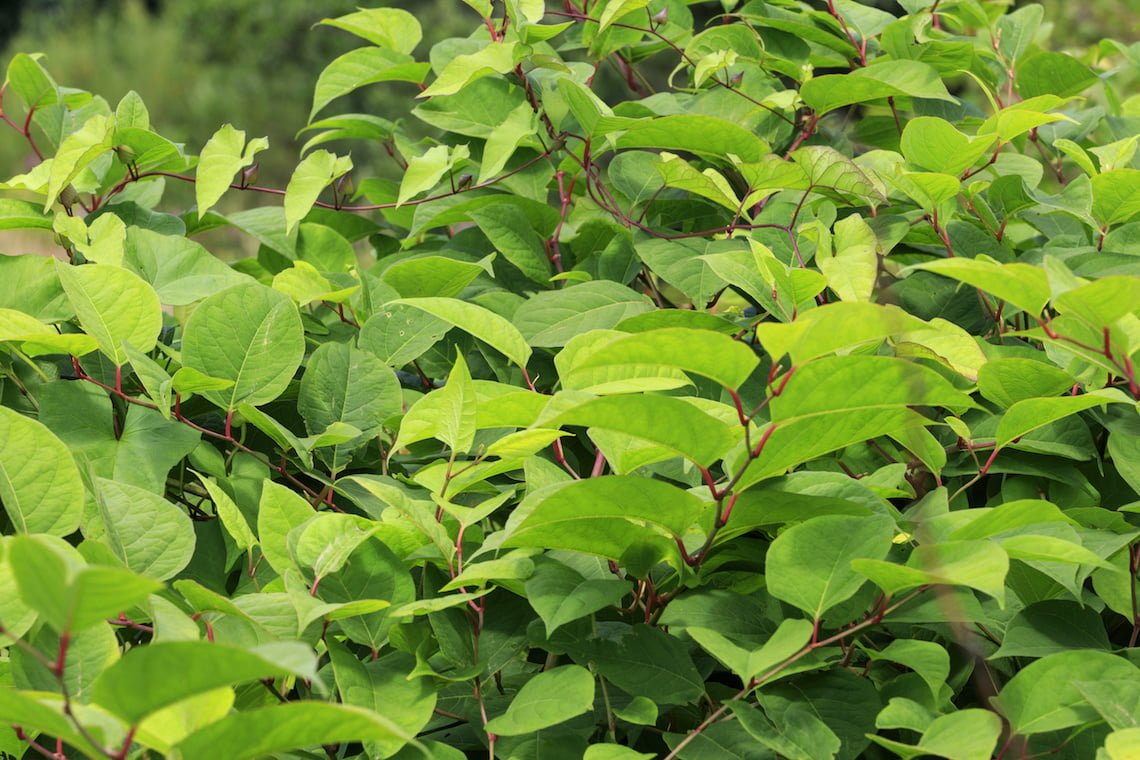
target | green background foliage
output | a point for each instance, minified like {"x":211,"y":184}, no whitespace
{"x":608,"y":380}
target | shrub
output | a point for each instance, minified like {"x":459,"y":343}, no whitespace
{"x":782,"y":406}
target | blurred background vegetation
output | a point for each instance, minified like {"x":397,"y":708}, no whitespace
{"x":201,"y":63}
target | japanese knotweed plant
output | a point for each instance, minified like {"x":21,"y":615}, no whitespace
{"x":702,"y":380}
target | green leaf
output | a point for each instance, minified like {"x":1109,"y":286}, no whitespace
{"x":935,"y":145}
{"x":372,"y":572}
{"x":230,"y":514}
{"x":22,"y":215}
{"x":38,"y":337}
{"x":28,"y":78}
{"x":202,"y":666}
{"x":325,"y":249}
{"x":20,"y":708}
{"x":825,"y":170}
{"x":475,"y":111}
{"x":609,"y":516}
{"x":446,"y":414}
{"x":513,"y":567}
{"x":427,"y":169}
{"x":304,"y":284}
{"x":267,"y":226}
{"x":1053,"y":73}
{"x":838,"y":401}
{"x":223,"y":156}
{"x":256,"y":733}
{"x":1008,"y":518}
{"x":1124,"y":450}
{"x":1118,"y":702}
{"x":881,"y":80}
{"x":495,"y":58}
{"x":846,"y":703}
{"x":190,"y":381}
{"x":616,"y":9}
{"x":347,"y":385}
{"x":523,"y":443}
{"x":801,"y":734}
{"x":114,"y":306}
{"x":702,"y":352}
{"x":392,"y":28}
{"x":616,"y":377}
{"x":635,"y":175}
{"x":551,"y":318}
{"x":809,"y":565}
{"x":40,"y":485}
{"x":438,"y":603}
{"x":551,"y":697}
{"x":316,"y":171}
{"x":854,"y":267}
{"x":561,"y":595}
{"x":640,"y":711}
{"x":434,"y":276}
{"x":479,"y":322}
{"x":400,"y":334}
{"x":1030,"y":414}
{"x":970,"y":734}
{"x":981,"y":565}
{"x":613,"y":752}
{"x":670,"y":422}
{"x":1022,"y":285}
{"x":131,"y":112}
{"x":325,"y":541}
{"x":647,"y":662}
{"x":512,"y":235}
{"x":1019,"y":118}
{"x":930,"y":190}
{"x":1079,"y":155}
{"x":278,"y":512}
{"x":1122,"y":744}
{"x":453,"y":209}
{"x":76,"y":153}
{"x":1116,"y":196}
{"x":1043,"y":696}
{"x":67,"y":595}
{"x":790,"y":637}
{"x":947,"y":342}
{"x":384,"y":687}
{"x":1017,"y":30}
{"x":703,"y":135}
{"x":17,"y":615}
{"x":139,"y":452}
{"x":709,"y":184}
{"x":361,"y":67}
{"x":686,"y":265}
{"x":149,"y":534}
{"x":1050,"y":549}
{"x":250,"y":335}
{"x":735,"y":615}
{"x":1102,"y":302}
{"x":1052,"y":626}
{"x":926,"y":658}
{"x":519,"y":125}
{"x":833,"y":327}
{"x":179,"y":270}
{"x":1008,"y":381}
{"x":482,"y":7}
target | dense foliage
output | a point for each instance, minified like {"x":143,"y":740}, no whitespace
{"x":200,"y":64}
{"x":785,"y":406}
